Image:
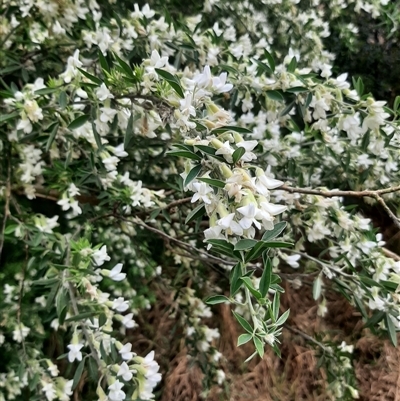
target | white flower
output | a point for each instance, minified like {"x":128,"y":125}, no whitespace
{"x":107,"y":114}
{"x":103,"y":93}
{"x":292,"y":260}
{"x":128,"y":322}
{"x":220,"y":85}
{"x":110,"y":163}
{"x":74,"y":352}
{"x":120,"y":304}
{"x":156,"y":60}
{"x":202,"y":191}
{"x":116,"y":394}
{"x":249,"y":212}
{"x":226,"y":151}
{"x":115,"y":273}
{"x":100,"y":256}
{"x":227,"y":223}
{"x":318,"y":231}
{"x":50,"y":391}
{"x":125,"y":352}
{"x":248,"y":146}
{"x":125,"y":372}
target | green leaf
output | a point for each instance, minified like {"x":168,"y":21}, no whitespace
{"x":62,"y":100}
{"x":265,"y":280}
{"x":243,"y":339}
{"x":249,"y":284}
{"x":243,"y":322}
{"x":216,"y":299}
{"x":91,"y":77}
{"x":239,"y":130}
{"x":96,"y":134}
{"x":391,"y":330}
{"x":173,"y":80}
{"x":52,"y":295}
{"x":5,"y":117}
{"x":297,"y":89}
{"x":182,"y":153}
{"x":46,"y":91}
{"x":193,"y":173}
{"x":53,"y":133}
{"x":212,"y":182}
{"x":81,"y":316}
{"x":277,"y":244}
{"x":221,"y":243}
{"x":375,"y":319}
{"x":288,"y":108}
{"x":244,"y":244}
{"x":237,"y":154}
{"x":78,"y":373}
{"x":283,"y":318}
{"x":292,"y":65}
{"x":125,"y":67}
{"x":62,"y":301}
{"x":270,"y":60}
{"x":129,"y":133}
{"x":275,"y":305}
{"x":317,"y":287}
{"x":78,"y":122}
{"x":275,"y":95}
{"x":195,"y":213}
{"x":262,"y":67}
{"x":236,"y":283}
{"x":10,"y":229}
{"x":257,"y":251}
{"x":103,"y":62}
{"x":360,"y":307}
{"x":46,"y":282}
{"x":271,"y":234}
{"x":396,"y":103}
{"x":259,"y":346}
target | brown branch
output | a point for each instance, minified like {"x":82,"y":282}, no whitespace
{"x":331,"y":194}
{"x":375,"y":194}
{"x":7,"y":203}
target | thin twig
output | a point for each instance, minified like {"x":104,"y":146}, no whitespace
{"x":308,"y":338}
{"x":331,"y":194}
{"x":7,"y":204}
{"x":375,"y":194}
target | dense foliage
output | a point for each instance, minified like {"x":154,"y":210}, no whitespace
{"x":145,"y":147}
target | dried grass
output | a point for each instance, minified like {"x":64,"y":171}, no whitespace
{"x":295,"y":376}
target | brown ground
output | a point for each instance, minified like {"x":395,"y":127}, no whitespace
{"x":295,"y":376}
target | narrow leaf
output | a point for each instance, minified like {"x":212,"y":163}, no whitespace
{"x":195,"y":213}
{"x":272,"y":234}
{"x":227,"y":128}
{"x":78,"y":122}
{"x":244,"y":244}
{"x":243,"y":339}
{"x":216,"y":299}
{"x":259,"y":346}
{"x":243,"y":322}
{"x":91,"y":77}
{"x":181,"y":153}
{"x":237,"y":154}
{"x":265,"y":280}
{"x":53,"y":133}
{"x":283,"y":318}
{"x":391,"y":330}
{"x":317,"y":287}
{"x":78,"y":373}
{"x":275,"y":95}
{"x":193,"y":173}
{"x":212,"y":182}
